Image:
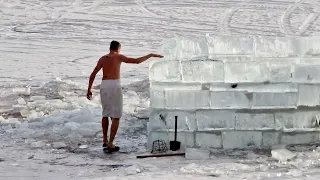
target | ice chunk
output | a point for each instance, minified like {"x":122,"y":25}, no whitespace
{"x":309,"y":46}
{"x":14,"y":121}
{"x":187,"y":99}
{"x":86,"y":132}
{"x":59,"y":145}
{"x":24,"y":113}
{"x":70,"y":127}
{"x":230,"y":99}
{"x":254,"y":121}
{"x":54,"y":101}
{"x":278,"y":146}
{"x":99,"y":134}
{"x":4,"y":121}
{"x":18,"y":106}
{"x":218,"y":45}
{"x":185,"y":48}
{"x":38,"y":102}
{"x":215,"y":119}
{"x":5,"y":110}
{"x":92,"y":125}
{"x":82,"y":117}
{"x":32,"y":115}
{"x":165,"y":71}
{"x":83,"y":147}
{"x":275,"y":47}
{"x":38,"y":134}
{"x":48,"y":104}
{"x":21,"y":101}
{"x":204,"y":139}
{"x":280,"y":73}
{"x":58,"y":79}
{"x":157,"y":99}
{"x":202,"y":71}
{"x":37,"y":98}
{"x":295,"y":172}
{"x":1,"y":119}
{"x":23,"y":91}
{"x":263,"y":167}
{"x":241,"y":139}
{"x":197,"y":154}
{"x":38,"y":144}
{"x":57,"y":103}
{"x":76,"y":99}
{"x":28,"y":91}
{"x":306,"y":73}
{"x":132,"y":170}
{"x":53,"y":120}
{"x":282,"y":155}
{"x":40,"y":113}
{"x":246,"y":72}
{"x":287,"y":99}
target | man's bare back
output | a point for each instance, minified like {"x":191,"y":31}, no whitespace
{"x":110,"y":66}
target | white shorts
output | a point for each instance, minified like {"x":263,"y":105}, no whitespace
{"x":111,"y":98}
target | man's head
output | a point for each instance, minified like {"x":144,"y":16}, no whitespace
{"x":115,"y":46}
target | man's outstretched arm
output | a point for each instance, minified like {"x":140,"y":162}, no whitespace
{"x":138,"y":60}
{"x":92,"y":77}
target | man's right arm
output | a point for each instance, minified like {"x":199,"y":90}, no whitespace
{"x":138,"y":60}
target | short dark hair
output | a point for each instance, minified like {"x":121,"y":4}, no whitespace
{"x":114,"y":45}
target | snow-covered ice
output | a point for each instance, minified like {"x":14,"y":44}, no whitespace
{"x":49,"y":48}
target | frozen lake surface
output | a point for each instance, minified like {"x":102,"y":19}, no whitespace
{"x":52,"y":46}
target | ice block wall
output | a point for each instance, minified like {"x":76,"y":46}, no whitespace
{"x":236,"y":91}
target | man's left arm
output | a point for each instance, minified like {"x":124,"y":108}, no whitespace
{"x":92,"y":77}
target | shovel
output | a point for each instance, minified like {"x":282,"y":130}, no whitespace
{"x":175,"y":145}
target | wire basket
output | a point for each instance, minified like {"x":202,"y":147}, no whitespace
{"x":159,"y":146}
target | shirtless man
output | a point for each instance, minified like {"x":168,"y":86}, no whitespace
{"x":111,"y":91}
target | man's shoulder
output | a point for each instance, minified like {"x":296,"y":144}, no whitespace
{"x":112,"y":56}
{"x":119,"y":57}
{"x":103,"y":57}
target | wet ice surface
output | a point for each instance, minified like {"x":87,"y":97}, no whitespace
{"x":48,"y":49}
{"x":29,"y":159}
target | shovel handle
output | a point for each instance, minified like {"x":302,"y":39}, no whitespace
{"x":175,"y":127}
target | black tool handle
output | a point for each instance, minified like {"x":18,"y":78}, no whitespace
{"x":175,"y":127}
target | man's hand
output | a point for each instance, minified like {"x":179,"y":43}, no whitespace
{"x":156,"y":55}
{"x":89,"y":95}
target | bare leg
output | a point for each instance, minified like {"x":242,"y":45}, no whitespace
{"x":114,"y":129}
{"x":105,"y":126}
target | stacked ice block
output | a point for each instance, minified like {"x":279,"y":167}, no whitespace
{"x":276,"y":100}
